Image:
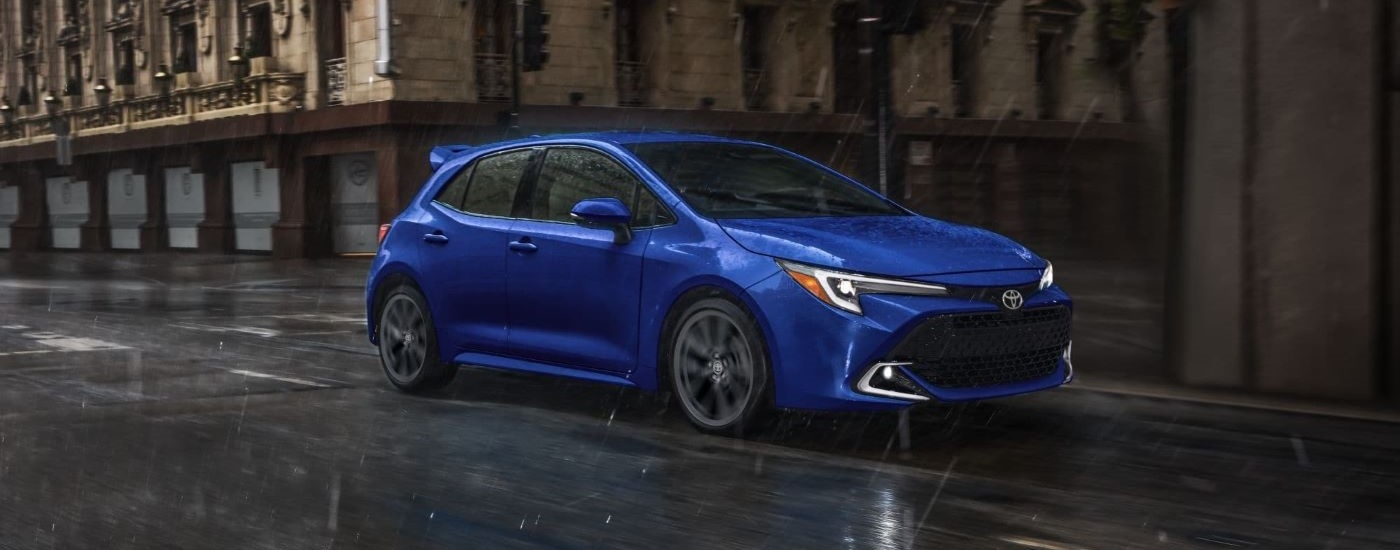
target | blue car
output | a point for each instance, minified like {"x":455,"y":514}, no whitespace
{"x":737,"y":275}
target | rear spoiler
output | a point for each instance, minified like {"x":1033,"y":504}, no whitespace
{"x":442,"y":153}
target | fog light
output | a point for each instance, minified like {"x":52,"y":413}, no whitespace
{"x":891,"y":382}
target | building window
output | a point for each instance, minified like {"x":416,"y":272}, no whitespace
{"x":492,"y":32}
{"x":1047,"y":75}
{"x":630,"y":69}
{"x":259,"y":39}
{"x":960,"y":69}
{"x":73,"y":74}
{"x":753,"y":48}
{"x":845,"y":58}
{"x":183,"y":36}
{"x":30,"y":87}
{"x":124,"y":59}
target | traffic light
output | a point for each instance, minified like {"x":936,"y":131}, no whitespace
{"x":903,"y":17}
{"x":535,"y":49}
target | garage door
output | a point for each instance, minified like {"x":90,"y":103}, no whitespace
{"x":184,"y":206}
{"x":354,"y":205}
{"x":256,"y":205}
{"x":126,"y":208}
{"x":9,"y":212}
{"x":68,"y":211}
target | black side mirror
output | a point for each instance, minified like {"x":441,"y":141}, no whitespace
{"x":606,"y":213}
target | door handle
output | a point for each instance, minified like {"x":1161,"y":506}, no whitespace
{"x":435,"y":238}
{"x":522,"y":246}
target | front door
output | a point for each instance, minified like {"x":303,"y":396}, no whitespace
{"x":574,"y":294}
{"x":463,"y":253}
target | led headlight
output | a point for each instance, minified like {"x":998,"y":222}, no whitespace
{"x":843,"y":290}
{"x":1047,"y":278}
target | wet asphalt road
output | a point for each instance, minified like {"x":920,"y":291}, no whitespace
{"x":189,"y":401}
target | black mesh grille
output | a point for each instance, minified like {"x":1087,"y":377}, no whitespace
{"x":973,"y":350}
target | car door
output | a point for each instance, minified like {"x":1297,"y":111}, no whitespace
{"x":463,"y":253}
{"x":573,"y":293}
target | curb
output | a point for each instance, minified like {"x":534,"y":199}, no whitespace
{"x":1244,"y":401}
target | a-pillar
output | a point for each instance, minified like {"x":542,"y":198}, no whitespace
{"x":216,"y":231}
{"x":30,"y":231}
{"x":96,"y":233}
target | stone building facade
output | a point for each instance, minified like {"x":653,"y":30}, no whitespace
{"x":1286,"y":266}
{"x":296,"y":126}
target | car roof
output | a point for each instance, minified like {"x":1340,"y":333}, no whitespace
{"x":617,"y":138}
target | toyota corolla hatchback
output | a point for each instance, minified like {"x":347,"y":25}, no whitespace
{"x":737,"y":275}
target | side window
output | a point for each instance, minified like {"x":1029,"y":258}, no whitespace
{"x":570,"y":175}
{"x":456,"y":189}
{"x":494,"y":180}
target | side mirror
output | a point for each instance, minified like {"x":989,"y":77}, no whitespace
{"x":608,"y":213}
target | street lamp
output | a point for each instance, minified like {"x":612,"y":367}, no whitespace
{"x":103,"y":93}
{"x":162,"y":78}
{"x":7,"y":111}
{"x":53,"y":103}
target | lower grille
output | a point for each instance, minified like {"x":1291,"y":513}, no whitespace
{"x":974,"y":350}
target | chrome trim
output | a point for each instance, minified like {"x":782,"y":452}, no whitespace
{"x":1069,"y":365}
{"x":864,"y":386}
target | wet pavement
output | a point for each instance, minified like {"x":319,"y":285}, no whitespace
{"x":193,"y":401}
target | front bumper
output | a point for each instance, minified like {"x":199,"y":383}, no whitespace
{"x":824,"y":358}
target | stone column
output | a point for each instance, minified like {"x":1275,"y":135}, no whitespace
{"x":96,"y":232}
{"x":289,"y":233}
{"x":216,"y":231}
{"x":30,"y":231}
{"x":153,"y":232}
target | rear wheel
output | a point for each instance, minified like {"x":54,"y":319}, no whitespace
{"x":719,"y":367}
{"x":408,"y":343}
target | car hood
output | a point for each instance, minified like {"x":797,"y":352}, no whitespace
{"x":897,"y":246}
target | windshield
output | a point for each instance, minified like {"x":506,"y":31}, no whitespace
{"x":728,"y":180}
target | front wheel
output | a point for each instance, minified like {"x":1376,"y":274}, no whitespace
{"x":408,"y":343}
{"x":719,"y":367}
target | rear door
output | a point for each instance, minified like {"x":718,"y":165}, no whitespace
{"x":463,"y":252}
{"x":574,"y":294}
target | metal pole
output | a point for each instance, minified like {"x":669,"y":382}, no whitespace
{"x":516,"y":53}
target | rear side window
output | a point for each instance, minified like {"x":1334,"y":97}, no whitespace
{"x":493,"y":181}
{"x":452,"y":194}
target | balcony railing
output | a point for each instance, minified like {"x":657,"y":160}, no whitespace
{"x":962,"y":99}
{"x":267,"y":93}
{"x":631,"y":84}
{"x":335,"y":81}
{"x":492,"y":77}
{"x":755,"y":89}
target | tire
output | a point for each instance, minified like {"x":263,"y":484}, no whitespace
{"x":408,"y":349}
{"x":718,"y":367}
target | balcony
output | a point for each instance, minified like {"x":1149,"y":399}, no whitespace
{"x":492,"y":77}
{"x":268,"y":93}
{"x":631,"y":84}
{"x":335,"y":81}
{"x":755,"y":90}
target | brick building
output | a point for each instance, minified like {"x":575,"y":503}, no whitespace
{"x":296,"y":126}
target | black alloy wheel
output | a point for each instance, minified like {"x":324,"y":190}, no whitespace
{"x":719,"y":367}
{"x":408,"y":343}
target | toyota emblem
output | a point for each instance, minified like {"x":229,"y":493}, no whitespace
{"x":1012,"y":299}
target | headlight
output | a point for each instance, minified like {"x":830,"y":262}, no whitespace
{"x":1047,"y":278}
{"x":843,"y":290}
